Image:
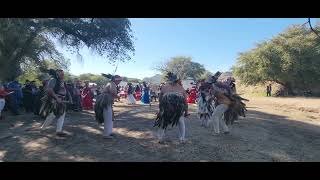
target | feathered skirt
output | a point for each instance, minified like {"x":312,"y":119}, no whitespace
{"x":50,"y":105}
{"x":236,"y":109}
{"x":172,"y":107}
{"x":205,"y":108}
{"x":104,"y":100}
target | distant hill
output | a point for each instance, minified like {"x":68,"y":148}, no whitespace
{"x":156,"y":79}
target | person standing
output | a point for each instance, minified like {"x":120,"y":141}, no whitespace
{"x":27,"y":96}
{"x":54,"y":105}
{"x":16,"y":97}
{"x":3,"y":94}
{"x":76,"y":97}
{"x":146,"y":94}
{"x":87,"y":97}
{"x":130,"y":97}
{"x":269,"y":89}
{"x":138,"y":93}
{"x":103,"y":106}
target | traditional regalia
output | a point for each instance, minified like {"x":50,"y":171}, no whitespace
{"x":51,"y":108}
{"x":229,"y":106}
{"x":103,"y":106}
{"x":172,"y":108}
{"x":206,"y":105}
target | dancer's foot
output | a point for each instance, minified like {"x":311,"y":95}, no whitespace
{"x":215,"y":134}
{"x":227,"y":132}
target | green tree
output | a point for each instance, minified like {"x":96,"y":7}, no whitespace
{"x":24,"y":40}
{"x":183,"y":66}
{"x":291,"y":59}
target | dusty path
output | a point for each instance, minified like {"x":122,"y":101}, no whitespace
{"x":274,"y":130}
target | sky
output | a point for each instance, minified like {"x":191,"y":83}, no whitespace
{"x":212,"y":42}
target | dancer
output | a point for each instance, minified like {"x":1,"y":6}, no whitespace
{"x":205,"y":104}
{"x":54,"y":104}
{"x":103,"y":106}
{"x":228,"y":106}
{"x":146,"y":94}
{"x":172,"y":107}
{"x":130,"y":97}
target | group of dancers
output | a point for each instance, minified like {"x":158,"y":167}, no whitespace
{"x":215,"y":104}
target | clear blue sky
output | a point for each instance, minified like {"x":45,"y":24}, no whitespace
{"x":213,"y":42}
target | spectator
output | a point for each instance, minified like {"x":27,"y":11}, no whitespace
{"x":15,"y":99}
{"x":77,"y":97}
{"x":87,"y":97}
{"x":27,"y":96}
{"x":3,"y":94}
{"x":269,"y":89}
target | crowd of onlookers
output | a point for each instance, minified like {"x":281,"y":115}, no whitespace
{"x":18,"y":97}
{"x":26,"y":98}
{"x":153,"y":91}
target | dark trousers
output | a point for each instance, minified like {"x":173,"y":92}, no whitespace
{"x":13,"y":104}
{"x":77,"y":103}
{"x":268,"y":93}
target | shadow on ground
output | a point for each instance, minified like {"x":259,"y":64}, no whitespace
{"x":258,"y":137}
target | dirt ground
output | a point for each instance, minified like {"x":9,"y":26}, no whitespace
{"x":275,"y":129}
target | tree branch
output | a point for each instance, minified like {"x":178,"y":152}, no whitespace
{"x":309,"y":21}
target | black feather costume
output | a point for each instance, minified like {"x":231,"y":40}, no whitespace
{"x":236,"y":109}
{"x":49,"y":104}
{"x":172,"y":106}
{"x":103,"y":100}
